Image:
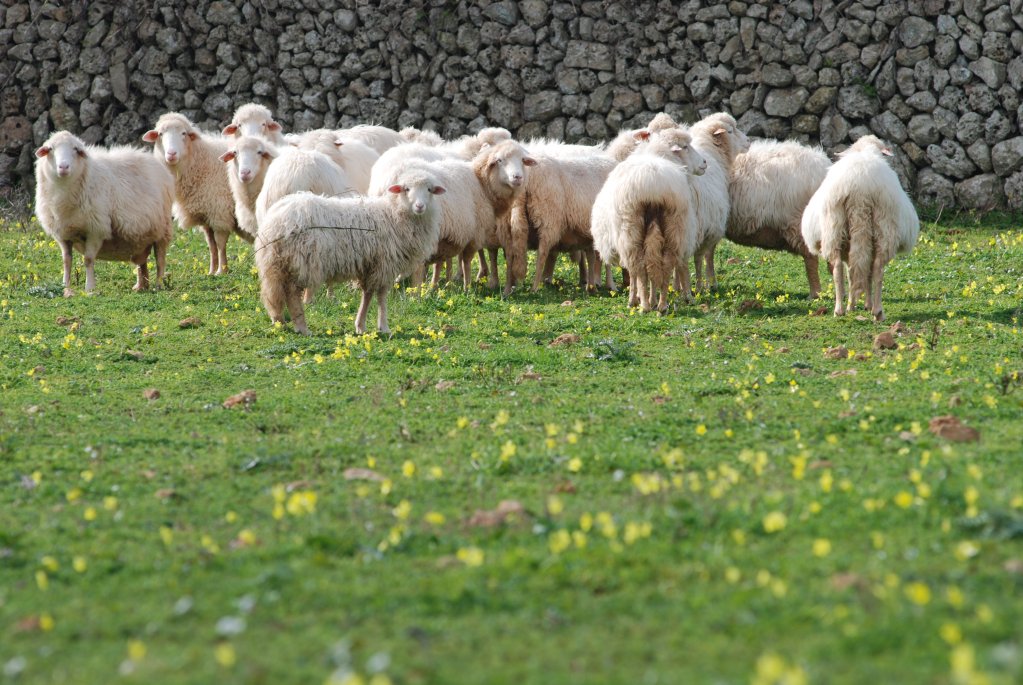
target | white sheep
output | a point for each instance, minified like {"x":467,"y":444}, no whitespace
{"x":354,"y":156}
{"x":645,"y":214}
{"x":202,"y":194}
{"x":501,"y":172}
{"x":252,"y":119}
{"x":307,"y":240}
{"x":862,"y":217}
{"x":769,"y":188}
{"x":108,"y":204}
{"x":248,"y":160}
{"x":718,"y":140}
{"x":296,"y":170}
{"x":380,"y":138}
{"x":411,"y":134}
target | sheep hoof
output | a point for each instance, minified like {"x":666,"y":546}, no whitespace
{"x":879,"y":316}
{"x":839,"y":312}
{"x":68,"y":292}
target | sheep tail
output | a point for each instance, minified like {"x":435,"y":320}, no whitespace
{"x":653,"y":250}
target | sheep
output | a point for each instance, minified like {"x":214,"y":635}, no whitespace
{"x":354,"y":156}
{"x":410,"y":134}
{"x":769,"y":188}
{"x":380,"y":138}
{"x":295,"y":170}
{"x":202,"y":193}
{"x":467,"y":220}
{"x":252,"y":119}
{"x":645,"y":214}
{"x":252,"y":157}
{"x":307,"y":240}
{"x":108,"y":204}
{"x":862,"y":217}
{"x":501,"y":172}
{"x":718,"y":139}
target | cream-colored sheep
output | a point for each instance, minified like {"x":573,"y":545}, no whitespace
{"x":255,"y":120}
{"x":862,"y":217}
{"x":108,"y":204}
{"x":380,"y":138}
{"x":769,"y":188}
{"x":354,"y":156}
{"x":202,"y":193}
{"x":248,"y":160}
{"x":645,"y":215}
{"x":307,"y":240}
{"x":718,"y":140}
{"x":295,"y":170}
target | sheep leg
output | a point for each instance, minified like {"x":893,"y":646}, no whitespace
{"x":294,"y":297}
{"x":484,"y":271}
{"x":466,"y":267}
{"x":211,"y":242}
{"x":876,"y":277}
{"x":435,"y":281}
{"x":141,"y":271}
{"x":838,"y":274}
{"x":698,"y":266}
{"x":418,"y":275}
{"x":308,"y":296}
{"x":712,"y":276}
{"x":492,"y":253}
{"x":160,"y":254}
{"x":593,"y":270}
{"x":382,"y":310}
{"x":543,"y":255}
{"x":813,"y":277}
{"x":548,"y":268}
{"x":360,"y":317}
{"x":678,"y":280}
{"x":65,"y":251}
{"x":685,"y":285}
{"x":92,"y":246}
{"x":221,"y":239}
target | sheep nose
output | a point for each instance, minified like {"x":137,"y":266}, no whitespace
{"x":418,"y":207}
{"x":516,"y":180}
{"x":63,"y":169}
{"x":172,"y":156}
{"x":245,"y":174}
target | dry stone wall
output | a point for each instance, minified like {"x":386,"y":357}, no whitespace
{"x":940,"y":79}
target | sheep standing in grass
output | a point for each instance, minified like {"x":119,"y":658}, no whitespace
{"x":354,"y":156}
{"x":862,"y":217}
{"x":202,"y":193}
{"x":769,"y":188}
{"x":645,"y":215}
{"x":108,"y":204}
{"x":255,"y":120}
{"x":718,"y":140}
{"x":248,"y":160}
{"x":307,"y":240}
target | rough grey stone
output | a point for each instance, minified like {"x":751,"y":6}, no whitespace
{"x":916,"y":31}
{"x":1007,"y":156}
{"x":980,"y":153}
{"x":1014,"y":190}
{"x":581,"y":54}
{"x":888,"y":126}
{"x":855,"y":102}
{"x":785,"y":102}
{"x":984,"y":192}
{"x":934,"y":189}
{"x":950,"y":159}
{"x":991,"y":72}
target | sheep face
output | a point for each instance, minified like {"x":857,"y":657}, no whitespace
{"x":252,"y":120}
{"x":63,"y":152}
{"x":680,"y":144}
{"x":507,"y":164}
{"x":416,"y":192}
{"x":171,"y":137}
{"x":250,"y":156}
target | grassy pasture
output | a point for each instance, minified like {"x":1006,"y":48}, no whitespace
{"x":704,"y":497}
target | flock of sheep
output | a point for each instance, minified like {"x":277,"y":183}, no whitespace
{"x":372,"y":205}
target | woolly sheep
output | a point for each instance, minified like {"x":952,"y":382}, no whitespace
{"x":862,"y":217}
{"x":380,"y":138}
{"x":307,"y":240}
{"x":108,"y":204}
{"x":296,"y":170}
{"x":645,"y":215}
{"x":770,"y":186}
{"x":202,"y":193}
{"x":410,"y":134}
{"x":718,"y":140}
{"x":252,"y":119}
{"x":354,"y":156}
{"x":248,"y":160}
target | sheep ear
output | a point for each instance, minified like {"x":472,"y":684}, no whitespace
{"x":339,"y":142}
{"x":676,"y":148}
{"x":266,"y":154}
{"x":227,"y":156}
{"x":887,"y":152}
{"x":81,"y":152}
{"x":42,"y":152}
{"x":192,"y":135}
{"x":641,"y":134}
{"x":439,"y":190}
{"x":273,"y":126}
{"x":151,"y":136}
{"x":395,"y":189}
{"x":719,"y":132}
{"x":230,"y":129}
{"x":528,"y":161}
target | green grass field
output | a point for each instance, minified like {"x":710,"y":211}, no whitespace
{"x":704,"y":497}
